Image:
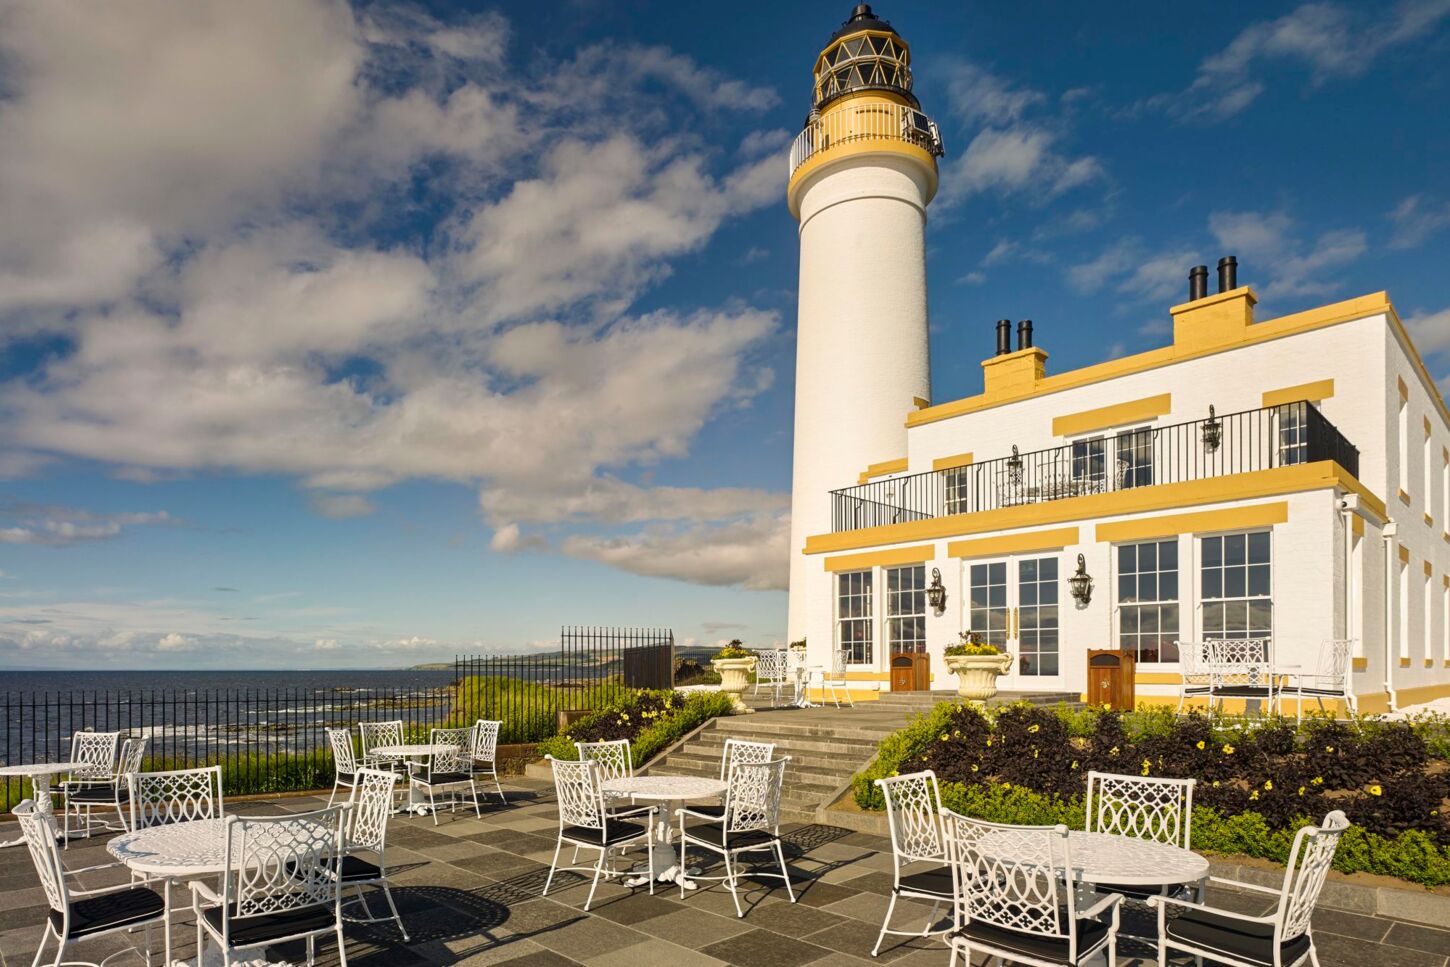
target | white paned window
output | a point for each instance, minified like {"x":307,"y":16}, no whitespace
{"x":1403,"y":428}
{"x":1038,"y":639}
{"x":1293,"y":434}
{"x":1090,"y":464}
{"x":1236,"y":571}
{"x":1429,"y":473}
{"x":906,"y":608}
{"x":987,"y":601}
{"x":854,"y":617}
{"x":1148,"y":600}
{"x":1135,"y":457}
{"x":958,"y":489}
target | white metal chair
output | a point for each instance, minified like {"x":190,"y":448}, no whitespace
{"x":483,"y":752}
{"x":344,"y":762}
{"x":749,"y":823}
{"x":1239,"y":668}
{"x":109,"y":793}
{"x":366,"y":832}
{"x":96,"y":754}
{"x":1143,"y":807}
{"x":1193,"y":675}
{"x":736,"y":751}
{"x":444,"y":769}
{"x":586,"y":822}
{"x":375,"y":734}
{"x":615,"y":759}
{"x":1283,"y":938}
{"x":279,"y":885}
{"x":1014,"y":900}
{"x":772,"y":671}
{"x":833,"y":680}
{"x":78,"y":915}
{"x":918,"y":843}
{"x":176,"y":796}
{"x":1331,"y":679}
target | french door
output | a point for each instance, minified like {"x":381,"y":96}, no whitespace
{"x":1012,"y":603}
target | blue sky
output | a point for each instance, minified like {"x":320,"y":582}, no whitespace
{"x":363,"y":335}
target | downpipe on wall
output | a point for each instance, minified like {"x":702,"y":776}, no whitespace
{"x":1388,"y":534}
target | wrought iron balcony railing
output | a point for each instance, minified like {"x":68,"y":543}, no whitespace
{"x":1219,"y":446}
{"x":868,"y":121}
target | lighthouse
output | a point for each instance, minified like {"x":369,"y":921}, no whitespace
{"x":862,"y":172}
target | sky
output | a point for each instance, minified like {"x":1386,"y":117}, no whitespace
{"x":365,"y":335}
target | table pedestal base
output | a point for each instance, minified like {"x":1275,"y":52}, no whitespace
{"x":667,"y":869}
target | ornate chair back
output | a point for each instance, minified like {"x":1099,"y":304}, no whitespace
{"x":485,"y":740}
{"x":1190,"y":662}
{"x":342,"y":755}
{"x":177,"y":796}
{"x":1310,"y":858}
{"x":739,"y":751}
{"x":770,"y":667}
{"x":96,"y":751}
{"x":1144,"y":807}
{"x":1012,"y":877}
{"x":913,"y":813}
{"x":279,"y":864}
{"x":1237,"y":661}
{"x":37,"y":828}
{"x":1335,"y":655}
{"x":449,"y":759}
{"x":838,"y":665}
{"x":614,"y":758}
{"x":576,"y":787}
{"x":133,"y":750}
{"x":374,"y":734}
{"x":752,"y":799}
{"x":372,"y":804}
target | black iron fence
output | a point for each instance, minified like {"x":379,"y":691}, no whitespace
{"x":592,"y":667}
{"x":1251,"y":440}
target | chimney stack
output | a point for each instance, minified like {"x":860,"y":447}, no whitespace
{"x":1198,"y":282}
{"x":1004,"y":337}
{"x":1228,"y":273}
{"x":1024,"y":335}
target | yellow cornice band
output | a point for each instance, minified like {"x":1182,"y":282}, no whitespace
{"x":889,"y":558}
{"x":1232,"y":518}
{"x":1314,"y":392}
{"x":1049,"y":540}
{"x":882,"y":469}
{"x":952,"y":462}
{"x":1103,"y":417}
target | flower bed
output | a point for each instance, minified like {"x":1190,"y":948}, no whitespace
{"x":651,"y":720}
{"x":1256,"y":785}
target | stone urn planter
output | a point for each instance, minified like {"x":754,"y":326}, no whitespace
{"x":734,"y":678}
{"x":977,"y":674}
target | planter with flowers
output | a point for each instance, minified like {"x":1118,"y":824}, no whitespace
{"x":734,"y":664}
{"x":976,"y":665}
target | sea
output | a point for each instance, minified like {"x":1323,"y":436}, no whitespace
{"x":190,"y":681}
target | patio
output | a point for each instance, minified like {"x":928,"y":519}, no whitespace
{"x":469,"y":893}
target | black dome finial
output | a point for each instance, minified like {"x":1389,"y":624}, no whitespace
{"x":862,"y":11}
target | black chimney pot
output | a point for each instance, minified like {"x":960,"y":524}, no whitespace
{"x":1228,"y":273}
{"x":1004,"y":336}
{"x":1024,"y":334}
{"x":1197,"y":283}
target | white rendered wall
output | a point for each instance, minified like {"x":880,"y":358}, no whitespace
{"x":861,"y":343}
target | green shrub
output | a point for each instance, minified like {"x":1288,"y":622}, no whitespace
{"x":651,"y":720}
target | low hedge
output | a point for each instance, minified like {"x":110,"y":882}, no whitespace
{"x":1256,"y":784}
{"x":651,"y":720}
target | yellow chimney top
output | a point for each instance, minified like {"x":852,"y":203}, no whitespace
{"x":1216,"y":320}
{"x":1014,"y":374}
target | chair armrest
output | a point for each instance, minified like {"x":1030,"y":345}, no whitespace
{"x":1107,"y":900}
{"x":200,"y":891}
{"x":1241,"y":885}
{"x":100,"y":890}
{"x":637,"y":811}
{"x":683,"y":812}
{"x":1162,"y":903}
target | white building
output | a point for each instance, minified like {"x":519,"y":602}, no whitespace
{"x":1287,"y":478}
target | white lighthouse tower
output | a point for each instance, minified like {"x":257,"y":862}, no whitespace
{"x":862,"y":173}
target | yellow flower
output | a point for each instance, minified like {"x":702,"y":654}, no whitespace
{"x":1375,"y":790}
{"x":1006,"y":785}
{"x":1215,"y":783}
{"x":1329,"y":748}
{"x":989,"y":740}
{"x":945,"y":737}
{"x":1254,"y":794}
{"x":1145,"y":770}
{"x":974,"y":768}
{"x":1113,"y":751}
{"x":1074,"y":763}
{"x":1201,"y":743}
{"x":1033,"y":728}
{"x":1034,"y":753}
{"x":1268,"y":784}
{"x":1228,"y":749}
{"x":1317,"y":781}
{"x":1301,"y":790}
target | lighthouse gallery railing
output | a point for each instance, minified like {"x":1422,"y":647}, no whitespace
{"x":868,"y":121}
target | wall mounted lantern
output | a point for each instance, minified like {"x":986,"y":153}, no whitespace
{"x":1212,"y":431}
{"x":936,"y":594}
{"x":1014,"y":467}
{"x":1081,"y":583}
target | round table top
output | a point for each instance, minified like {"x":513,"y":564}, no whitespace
{"x":665,"y":788}
{"x":408,"y":751}
{"x":43,"y":769}
{"x":193,"y":848}
{"x":1126,"y":860}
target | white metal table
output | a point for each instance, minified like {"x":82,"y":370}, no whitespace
{"x":174,"y":853}
{"x":674,"y":791}
{"x":1120,"y":860}
{"x":39,"y":774}
{"x":415,"y":752}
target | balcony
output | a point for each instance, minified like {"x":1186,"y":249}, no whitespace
{"x":868,"y":121}
{"x":1262,"y":439}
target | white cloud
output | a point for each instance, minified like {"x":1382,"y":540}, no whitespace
{"x":1415,"y":221}
{"x":1270,"y":246}
{"x":1130,"y":267}
{"x":55,"y":526}
{"x":752,"y":553}
{"x":979,"y":96}
{"x":1330,"y":40}
{"x":342,"y":506}
{"x":1430,"y":331}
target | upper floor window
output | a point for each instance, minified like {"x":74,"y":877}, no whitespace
{"x":1148,"y":600}
{"x":1090,"y":464}
{"x":1293,"y":434}
{"x":855,"y":617}
{"x":906,"y":608}
{"x":1236,"y":571}
{"x":1135,"y":457}
{"x":957,"y":483}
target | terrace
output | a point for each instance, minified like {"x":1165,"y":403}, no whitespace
{"x":1218,"y":446}
{"x":469,"y":892}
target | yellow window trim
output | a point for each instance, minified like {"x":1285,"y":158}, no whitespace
{"x":920,"y":402}
{"x":1232,"y":518}
{"x":1279,"y":481}
{"x":1429,"y":663}
{"x":1356,"y":524}
{"x":1015,"y":543}
{"x":1404,"y":497}
{"x":868,"y":676}
{"x":1429,"y":521}
{"x":1102,"y":417}
{"x":1404,"y":554}
{"x":1429,"y":569}
{"x":1361,"y":664}
{"x":1428,"y":431}
{"x":882,"y":469}
{"x":1157,"y":678}
{"x":1445,"y":578}
{"x":1404,"y":663}
{"x":1404,"y":389}
{"x":952,"y":462}
{"x":1314,"y":392}
{"x":895,"y":556}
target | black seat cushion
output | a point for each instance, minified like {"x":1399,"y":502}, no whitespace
{"x":442,"y":778}
{"x":1240,"y":939}
{"x":97,"y":792}
{"x":936,"y":882}
{"x":345,"y":777}
{"x":1090,"y":933}
{"x":615,"y":830}
{"x":355,"y":869}
{"x":709,"y":809}
{"x":1144,"y":892}
{"x":247,"y":931}
{"x":715,"y":835}
{"x":110,"y":910}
